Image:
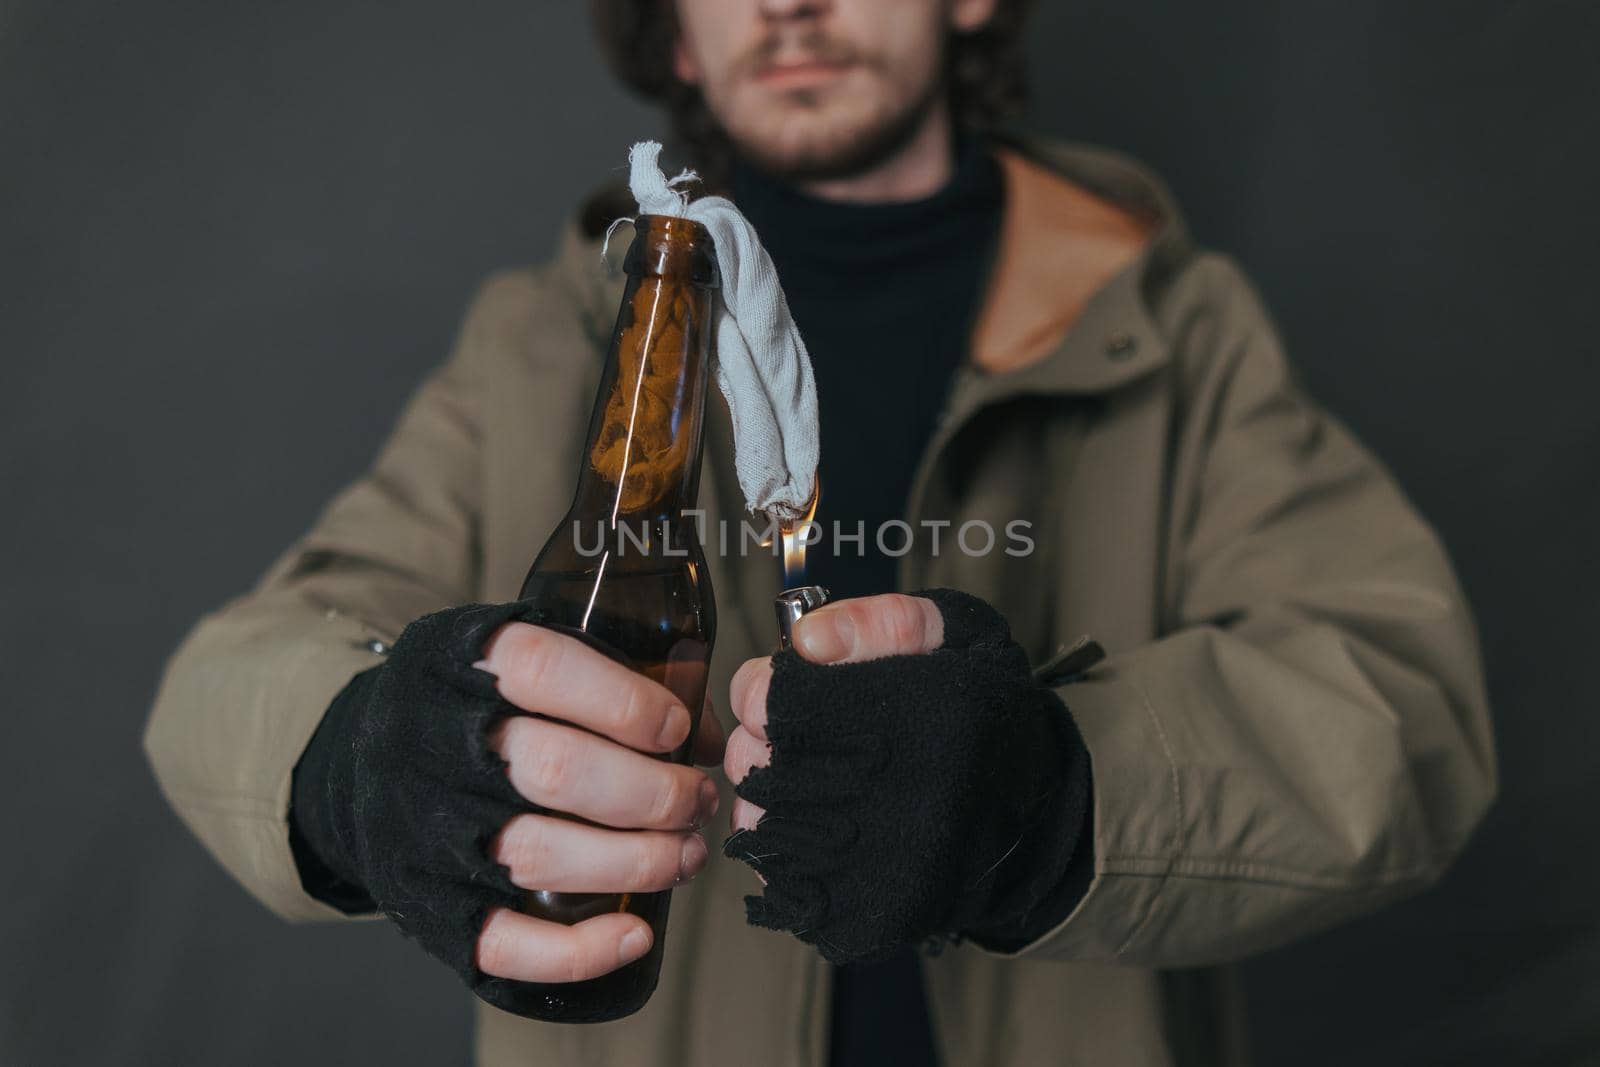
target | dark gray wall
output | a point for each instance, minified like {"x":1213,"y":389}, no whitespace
{"x":232,"y":237}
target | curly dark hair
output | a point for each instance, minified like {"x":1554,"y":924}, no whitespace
{"x":985,"y":72}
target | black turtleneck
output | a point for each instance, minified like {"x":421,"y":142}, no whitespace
{"x":885,"y":296}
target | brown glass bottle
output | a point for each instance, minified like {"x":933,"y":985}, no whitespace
{"x":625,"y":571}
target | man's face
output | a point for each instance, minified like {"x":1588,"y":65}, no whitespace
{"x":820,"y":88}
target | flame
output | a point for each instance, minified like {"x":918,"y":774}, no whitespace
{"x":794,"y":541}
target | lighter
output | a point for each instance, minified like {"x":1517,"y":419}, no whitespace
{"x":791,"y":604}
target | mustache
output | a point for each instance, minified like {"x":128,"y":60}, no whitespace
{"x":811,"y":46}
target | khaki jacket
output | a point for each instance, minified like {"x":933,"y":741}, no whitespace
{"x":1290,"y":730}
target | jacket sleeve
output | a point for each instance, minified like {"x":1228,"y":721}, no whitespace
{"x":243,"y":694}
{"x":1310,"y":739}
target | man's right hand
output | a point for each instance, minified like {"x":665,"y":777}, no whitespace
{"x":413,"y":796}
{"x":581,"y":751}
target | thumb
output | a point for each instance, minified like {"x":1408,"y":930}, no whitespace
{"x":863,"y":628}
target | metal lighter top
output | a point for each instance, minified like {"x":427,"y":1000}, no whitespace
{"x":791,"y":604}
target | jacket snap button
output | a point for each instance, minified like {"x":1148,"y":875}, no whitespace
{"x":1120,"y":346}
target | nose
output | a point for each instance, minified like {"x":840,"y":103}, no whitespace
{"x":788,"y":9}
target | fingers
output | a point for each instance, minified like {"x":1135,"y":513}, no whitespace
{"x":710,"y":738}
{"x":559,"y":855}
{"x":565,"y":769}
{"x":546,"y":672}
{"x":745,"y":751}
{"x":862,"y":628}
{"x":747,"y":745}
{"x":747,"y":692}
{"x":524,"y":949}
{"x":745,"y":815}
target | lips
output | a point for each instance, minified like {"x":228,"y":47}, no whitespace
{"x":803,"y":74}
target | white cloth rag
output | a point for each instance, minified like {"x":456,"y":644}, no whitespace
{"x":762,"y":365}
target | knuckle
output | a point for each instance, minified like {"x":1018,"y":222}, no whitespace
{"x":901,"y":622}
{"x":673,"y":799}
{"x":517,"y":742}
{"x":743,"y":753}
{"x":523,"y":848}
{"x":494,"y":952}
{"x":748,"y":697}
{"x":745,"y":815}
{"x":535,"y":659}
{"x":636,"y":711}
{"x":569,"y":962}
{"x":505,"y":737}
{"x":655,"y":864}
{"x":859,"y":614}
{"x":740,"y":688}
{"x":550,"y":761}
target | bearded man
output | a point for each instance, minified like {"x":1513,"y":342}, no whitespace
{"x":1047,"y":859}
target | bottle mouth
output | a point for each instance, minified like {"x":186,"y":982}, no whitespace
{"x":671,"y":246}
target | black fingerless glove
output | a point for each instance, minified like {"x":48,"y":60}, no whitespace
{"x":917,"y":797}
{"x":398,"y":795}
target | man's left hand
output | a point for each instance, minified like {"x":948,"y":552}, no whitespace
{"x":901,"y":775}
{"x":846,"y":631}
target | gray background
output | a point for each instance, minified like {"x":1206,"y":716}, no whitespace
{"x":233,"y":236}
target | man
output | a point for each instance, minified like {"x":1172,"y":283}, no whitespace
{"x":1290,"y":729}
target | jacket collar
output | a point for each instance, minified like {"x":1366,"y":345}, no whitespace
{"x":1058,"y":342}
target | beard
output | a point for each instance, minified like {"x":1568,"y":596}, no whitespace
{"x":840,"y":149}
{"x":821,"y":135}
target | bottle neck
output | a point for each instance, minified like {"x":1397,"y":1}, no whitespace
{"x":641,"y":461}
